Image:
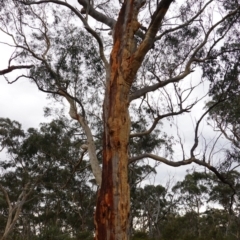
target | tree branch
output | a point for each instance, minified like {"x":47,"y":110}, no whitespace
{"x":153,"y":28}
{"x":160,"y":84}
{"x":208,"y":33}
{"x":157,"y":119}
{"x":97,"y":15}
{"x":198,"y":123}
{"x":161,"y":159}
{"x":140,"y":134}
{"x":185,"y":24}
{"x":187,"y":162}
{"x":12,"y":68}
{"x":92,"y":12}
{"x":96,"y":169}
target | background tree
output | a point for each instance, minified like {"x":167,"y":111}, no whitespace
{"x":43,"y":183}
{"x":61,"y":202}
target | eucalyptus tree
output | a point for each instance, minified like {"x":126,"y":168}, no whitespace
{"x":13,"y":193}
{"x":151,"y":207}
{"x":193,"y":190}
{"x":223,"y":195}
{"x":193,"y":194}
{"x":109,"y":59}
{"x":44,"y":181}
{"x":225,"y":117}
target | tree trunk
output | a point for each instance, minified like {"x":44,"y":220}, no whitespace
{"x":112,"y":211}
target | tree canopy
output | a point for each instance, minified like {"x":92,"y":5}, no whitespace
{"x":124,"y":68}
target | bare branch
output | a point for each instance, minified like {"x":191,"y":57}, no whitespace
{"x":186,"y":162}
{"x":153,"y":28}
{"x":101,"y":50}
{"x":156,"y":120}
{"x":198,"y":123}
{"x":97,"y":15}
{"x":14,"y":210}
{"x":235,"y":142}
{"x":208,"y":33}
{"x":162,"y":159}
{"x":12,"y":68}
{"x":160,"y":84}
{"x":186,"y":23}
{"x":92,"y":12}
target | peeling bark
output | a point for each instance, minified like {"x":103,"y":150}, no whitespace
{"x":112,"y":212}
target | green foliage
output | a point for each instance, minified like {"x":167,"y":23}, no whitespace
{"x":62,"y":201}
{"x":53,"y":233}
{"x":84,"y":236}
{"x":48,"y":159}
{"x":140,"y":236}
